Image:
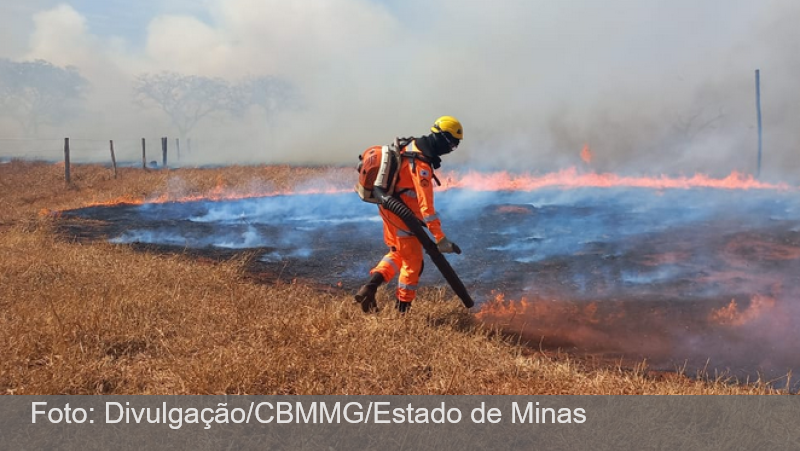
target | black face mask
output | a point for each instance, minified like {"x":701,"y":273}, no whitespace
{"x":452,"y":142}
{"x":430,"y":146}
{"x":445,"y":143}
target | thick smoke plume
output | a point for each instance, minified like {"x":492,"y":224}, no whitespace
{"x":654,"y":86}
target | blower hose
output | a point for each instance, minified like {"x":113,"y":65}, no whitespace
{"x":399,"y":208}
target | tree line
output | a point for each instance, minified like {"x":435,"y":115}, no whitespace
{"x":38,"y":93}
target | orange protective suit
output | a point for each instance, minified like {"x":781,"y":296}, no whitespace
{"x":415,"y":189}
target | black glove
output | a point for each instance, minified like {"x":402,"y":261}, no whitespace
{"x":448,"y":247}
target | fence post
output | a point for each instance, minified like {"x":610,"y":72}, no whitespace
{"x":188,"y":146}
{"x":113,"y":157}
{"x":178,"y":148}
{"x":66,"y":160}
{"x":758,"y":113}
{"x":144,"y":156}
{"x":164,"y":152}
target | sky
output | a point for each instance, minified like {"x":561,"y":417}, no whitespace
{"x":651,"y":86}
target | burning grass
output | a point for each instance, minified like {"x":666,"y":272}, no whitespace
{"x":93,"y":317}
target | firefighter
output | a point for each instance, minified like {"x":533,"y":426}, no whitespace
{"x":421,"y":156}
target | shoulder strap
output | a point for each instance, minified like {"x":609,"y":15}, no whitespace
{"x":400,"y":143}
{"x":414,"y":156}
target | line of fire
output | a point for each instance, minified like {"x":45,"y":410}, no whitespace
{"x":697,"y":273}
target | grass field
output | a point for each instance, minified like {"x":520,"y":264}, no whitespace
{"x":80,"y":317}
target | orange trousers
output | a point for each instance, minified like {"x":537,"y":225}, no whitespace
{"x":405,"y":256}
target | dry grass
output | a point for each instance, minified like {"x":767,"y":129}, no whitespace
{"x":79,"y":318}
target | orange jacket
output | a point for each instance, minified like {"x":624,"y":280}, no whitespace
{"x":415,"y":188}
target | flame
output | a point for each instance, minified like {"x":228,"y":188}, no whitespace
{"x":501,"y":310}
{"x":554,"y":322}
{"x":586,"y":154}
{"x":513,"y":313}
{"x":497,"y":181}
{"x":731,"y":315}
{"x":219,"y":193}
{"x":499,"y":307}
{"x":571,"y":178}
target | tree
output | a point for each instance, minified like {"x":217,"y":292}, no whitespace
{"x":686,"y":129}
{"x":187,"y":99}
{"x":271,"y":94}
{"x":37,"y":93}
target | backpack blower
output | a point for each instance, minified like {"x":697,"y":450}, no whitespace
{"x":378,"y":171}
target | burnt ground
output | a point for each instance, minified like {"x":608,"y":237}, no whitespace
{"x":695,"y":279}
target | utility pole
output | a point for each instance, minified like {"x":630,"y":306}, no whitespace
{"x":758,"y":111}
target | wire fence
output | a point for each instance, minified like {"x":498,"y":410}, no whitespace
{"x":128,"y":152}
{"x":31,"y":149}
{"x":147,"y":152}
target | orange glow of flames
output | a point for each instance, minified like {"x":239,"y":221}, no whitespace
{"x":571,"y":178}
{"x":497,"y":181}
{"x":586,"y":154}
{"x":500,"y":307}
{"x":732,"y":315}
{"x":218,"y":193}
{"x":501,"y":310}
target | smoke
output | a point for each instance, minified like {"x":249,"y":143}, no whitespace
{"x":657,"y":86}
{"x":700,"y":277}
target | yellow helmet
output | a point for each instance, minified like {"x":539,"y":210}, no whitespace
{"x":448,"y":124}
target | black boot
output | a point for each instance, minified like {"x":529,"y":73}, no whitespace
{"x":366,"y":295}
{"x":401,"y":306}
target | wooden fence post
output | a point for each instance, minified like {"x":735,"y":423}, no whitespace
{"x":144,"y":156}
{"x":164,"y":152}
{"x":66,"y":160}
{"x":188,"y":146}
{"x":758,"y":112}
{"x":178,"y":148}
{"x":113,"y":157}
